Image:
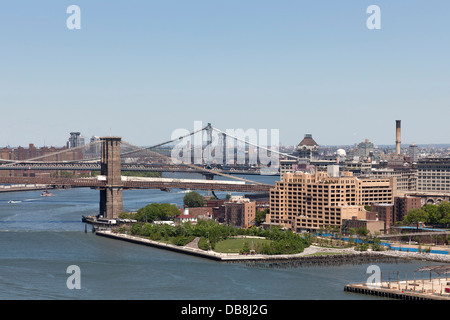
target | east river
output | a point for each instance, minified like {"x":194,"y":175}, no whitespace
{"x":40,"y":237}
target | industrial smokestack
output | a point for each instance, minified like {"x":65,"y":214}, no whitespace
{"x":398,"y":137}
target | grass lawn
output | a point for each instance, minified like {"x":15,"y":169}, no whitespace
{"x":234,"y":245}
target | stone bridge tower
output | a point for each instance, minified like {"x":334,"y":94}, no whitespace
{"x":111,"y":199}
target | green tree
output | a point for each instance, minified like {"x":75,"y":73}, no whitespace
{"x":431,"y":214}
{"x":246,"y":248}
{"x":444,"y":213}
{"x":415,"y":216}
{"x":260,"y":217}
{"x":362,"y":231}
{"x":376,"y":244}
{"x":363,"y":246}
{"x":193,"y":199}
{"x":446,"y":219}
{"x":157,"y":211}
{"x":203,"y":244}
{"x":136,"y":229}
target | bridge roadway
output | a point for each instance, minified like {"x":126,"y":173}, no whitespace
{"x":125,"y":167}
{"x":149,"y":183}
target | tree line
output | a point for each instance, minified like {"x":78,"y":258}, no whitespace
{"x":429,"y":214}
{"x":211,"y":232}
{"x":153,"y":212}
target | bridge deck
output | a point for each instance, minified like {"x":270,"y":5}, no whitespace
{"x":141,"y":184}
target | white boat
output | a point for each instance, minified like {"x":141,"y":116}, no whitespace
{"x":46,"y":194}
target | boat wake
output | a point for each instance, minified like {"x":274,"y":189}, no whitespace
{"x":184,"y":191}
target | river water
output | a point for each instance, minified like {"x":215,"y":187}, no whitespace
{"x":40,"y":237}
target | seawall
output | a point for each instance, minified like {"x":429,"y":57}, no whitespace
{"x":156,"y":244}
{"x":307,"y":257}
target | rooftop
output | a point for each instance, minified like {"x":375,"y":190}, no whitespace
{"x":308,"y":141}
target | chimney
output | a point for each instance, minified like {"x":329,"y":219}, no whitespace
{"x":397,"y":138}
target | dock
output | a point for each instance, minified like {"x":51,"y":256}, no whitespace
{"x":430,"y":289}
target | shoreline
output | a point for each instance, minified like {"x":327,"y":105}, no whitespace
{"x":309,"y":254}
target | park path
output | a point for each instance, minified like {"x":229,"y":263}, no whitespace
{"x":193,"y":244}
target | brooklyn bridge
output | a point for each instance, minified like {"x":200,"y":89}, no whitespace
{"x":110,"y":182}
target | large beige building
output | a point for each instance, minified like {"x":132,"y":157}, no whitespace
{"x":305,"y":202}
{"x":433,"y":175}
{"x":406,"y":178}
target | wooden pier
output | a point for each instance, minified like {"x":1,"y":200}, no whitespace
{"x":404,"y":290}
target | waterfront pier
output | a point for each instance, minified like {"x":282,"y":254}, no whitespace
{"x":421,"y":285}
{"x":396,"y":292}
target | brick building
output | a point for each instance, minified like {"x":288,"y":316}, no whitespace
{"x":403,"y":204}
{"x":240,"y":212}
{"x":383,"y":212}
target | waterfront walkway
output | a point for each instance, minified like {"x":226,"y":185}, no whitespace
{"x":192,"y":248}
{"x":311,"y":251}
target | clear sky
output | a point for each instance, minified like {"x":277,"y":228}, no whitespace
{"x":142,"y":69}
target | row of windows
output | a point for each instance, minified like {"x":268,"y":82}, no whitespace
{"x":444,"y":185}
{"x":315,"y":225}
{"x":316,"y":187}
{"x":428,"y":172}
{"x":441,"y":180}
{"x":334,"y":200}
{"x":326,"y":197}
{"x":433,"y":189}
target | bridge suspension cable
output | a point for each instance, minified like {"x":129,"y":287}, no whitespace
{"x":255,"y":145}
{"x":148,"y":149}
{"x":161,"y":144}
{"x":11,"y":162}
{"x":195,"y":166}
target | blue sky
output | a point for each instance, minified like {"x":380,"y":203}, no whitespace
{"x":142,"y":69}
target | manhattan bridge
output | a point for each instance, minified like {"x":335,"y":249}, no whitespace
{"x":117,"y":155}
